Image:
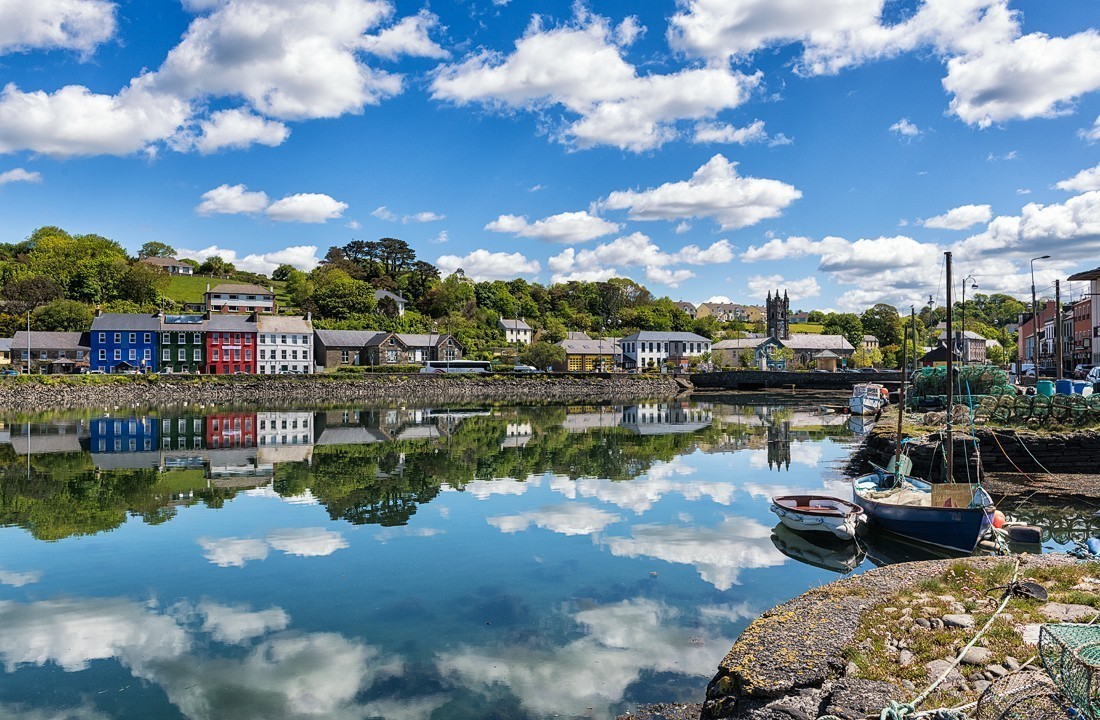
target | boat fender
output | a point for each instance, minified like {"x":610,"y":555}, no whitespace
{"x":1093,"y":544}
{"x":998,"y":519}
{"x":1025,"y":534}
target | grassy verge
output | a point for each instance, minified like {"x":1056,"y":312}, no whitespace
{"x":962,"y":584}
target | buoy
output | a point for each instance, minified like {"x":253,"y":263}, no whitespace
{"x":1093,"y":544}
{"x":998,"y":519}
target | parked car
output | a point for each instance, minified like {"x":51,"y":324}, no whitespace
{"x":9,"y":372}
{"x":1081,"y":371}
{"x":524,"y":369}
{"x":1094,"y":375}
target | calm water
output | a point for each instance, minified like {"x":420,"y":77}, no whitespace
{"x":413,"y":563}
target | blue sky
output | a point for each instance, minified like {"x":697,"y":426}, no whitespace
{"x":706,"y":148}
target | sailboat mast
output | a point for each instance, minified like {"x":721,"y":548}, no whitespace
{"x":901,"y":408}
{"x":950,"y":454}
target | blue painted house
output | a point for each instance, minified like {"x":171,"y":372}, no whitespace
{"x":124,"y":342}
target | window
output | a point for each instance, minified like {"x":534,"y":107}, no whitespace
{"x":133,"y":354}
{"x":118,"y":354}
{"x":214,"y":355}
{"x":148,"y":337}
{"x":196,"y":338}
{"x":102,"y":355}
{"x":118,"y":337}
{"x":79,"y":354}
{"x":133,"y":338}
{"x":147,"y":353}
{"x":103,"y":337}
{"x":214,"y":338}
{"x":182,"y":355}
{"x":42,"y":355}
{"x":293,"y":354}
{"x":247,"y":354}
{"x":198,"y":355}
{"x":284,"y":354}
{"x":343,"y":356}
{"x":247,"y":339}
{"x":282,"y":339}
{"x":167,"y":354}
{"x":236,"y":338}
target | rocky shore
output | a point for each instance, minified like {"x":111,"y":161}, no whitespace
{"x":794,"y":661}
{"x":99,"y":391}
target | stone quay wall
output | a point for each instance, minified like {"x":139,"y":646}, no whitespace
{"x":1001,"y":451}
{"x":775,"y":379}
{"x":33,"y":396}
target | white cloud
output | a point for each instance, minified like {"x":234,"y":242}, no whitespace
{"x":19,"y":579}
{"x":235,"y":625}
{"x":306,"y":208}
{"x":1032,"y":76}
{"x":232,"y":200}
{"x":423,"y":217}
{"x":571,"y":519}
{"x":74,"y":121}
{"x":636,"y":250}
{"x":233,"y":552}
{"x":709,"y":132}
{"x":795,"y":246}
{"x":796,"y":289}
{"x":383,"y":213}
{"x":303,"y":257}
{"x":484,"y":265}
{"x":1084,"y":181}
{"x":682,"y":227}
{"x":905,"y":129}
{"x":45,"y":24}
{"x":1070,"y":231}
{"x":568,"y":227}
{"x":1010,"y":155}
{"x":714,"y":190}
{"x":19,"y":175}
{"x":581,"y":68}
{"x":307,"y":542}
{"x":238,"y":128}
{"x":1091,"y":134}
{"x":960,"y":218}
{"x":410,"y":37}
{"x":353,"y":225}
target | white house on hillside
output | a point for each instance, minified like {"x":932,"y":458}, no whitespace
{"x":648,"y":348}
{"x":285,"y":344}
{"x":516,"y":331}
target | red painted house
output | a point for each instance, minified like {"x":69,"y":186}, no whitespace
{"x":231,"y":430}
{"x":231,"y":344}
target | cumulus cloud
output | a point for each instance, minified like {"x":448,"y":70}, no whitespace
{"x":571,"y":519}
{"x":19,"y":579}
{"x":905,"y":129}
{"x":1091,"y":134}
{"x":232,"y":200}
{"x":1069,"y":230}
{"x":411,"y":36}
{"x":580,"y":67}
{"x":303,"y":257}
{"x":384,"y":213}
{"x":715,"y":190}
{"x":636,"y":250}
{"x":960,"y":218}
{"x":795,"y":246}
{"x":484,"y":265}
{"x":237,"y":129}
{"x":47,"y":24}
{"x":234,"y":625}
{"x":568,"y":227}
{"x":233,"y":552}
{"x":307,"y":542}
{"x":306,"y":208}
{"x":287,"y":61}
{"x":1084,"y":181}
{"x":19,"y":175}
{"x":710,"y":132}
{"x":796,"y":289}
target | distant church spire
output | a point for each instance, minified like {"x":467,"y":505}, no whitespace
{"x":779,"y":316}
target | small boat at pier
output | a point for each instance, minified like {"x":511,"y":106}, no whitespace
{"x":819,"y":514}
{"x":867,"y":399}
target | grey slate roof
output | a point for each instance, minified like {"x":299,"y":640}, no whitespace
{"x":126,"y":322}
{"x":514,"y":324}
{"x":229,"y":323}
{"x":51,"y":340}
{"x":656,"y":336}
{"x":346,"y":338}
{"x":379,"y":294}
{"x":425,"y":339}
{"x":805,"y":342}
{"x":588,"y":346}
{"x":284,"y":323}
{"x":239,"y":289}
{"x":5,"y":344}
{"x":739,"y":344}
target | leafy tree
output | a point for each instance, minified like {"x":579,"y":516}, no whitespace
{"x":282,"y":273}
{"x":846,"y":324}
{"x":395,"y":256}
{"x":884,"y":322}
{"x":543,"y":355}
{"x":154,"y":249}
{"x":143,"y":283}
{"x":338,"y":295}
{"x":23,"y":295}
{"x":218,"y":266}
{"x":815,"y":316}
{"x":867,"y":358}
{"x":995,"y":354}
{"x":62,"y":315}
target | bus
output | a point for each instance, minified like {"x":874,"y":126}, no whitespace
{"x":457,"y":366}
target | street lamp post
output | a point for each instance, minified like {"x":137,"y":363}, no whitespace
{"x":1035,"y":318}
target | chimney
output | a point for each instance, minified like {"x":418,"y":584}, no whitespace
{"x":207,"y":287}
{"x":309,"y":316}
{"x":98,"y":310}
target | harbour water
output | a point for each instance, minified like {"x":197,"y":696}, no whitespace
{"x":403,"y":562}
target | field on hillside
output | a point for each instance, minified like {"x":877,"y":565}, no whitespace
{"x":807,"y":328}
{"x":190,"y":288}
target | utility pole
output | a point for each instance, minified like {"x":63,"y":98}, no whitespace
{"x":1058,"y":327}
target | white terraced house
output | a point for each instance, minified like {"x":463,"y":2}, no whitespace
{"x":648,"y":348}
{"x":285,"y":344}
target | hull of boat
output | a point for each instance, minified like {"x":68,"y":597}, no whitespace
{"x":865,"y":405}
{"x":952,"y":528}
{"x":843,"y":520}
{"x":818,"y":550}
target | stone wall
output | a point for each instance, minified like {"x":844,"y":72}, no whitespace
{"x":335,"y":389}
{"x":765,"y":379}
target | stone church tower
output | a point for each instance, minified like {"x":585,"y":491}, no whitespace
{"x":779,"y":316}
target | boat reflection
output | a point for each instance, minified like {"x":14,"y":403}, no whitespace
{"x":839,"y":556}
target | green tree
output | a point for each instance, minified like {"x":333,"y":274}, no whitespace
{"x":815,"y":316}
{"x":995,"y":354}
{"x":62,"y":315}
{"x":282,"y":273}
{"x":884,"y":322}
{"x":143,"y":284}
{"x":543,"y":355}
{"x":846,"y":324}
{"x":217,"y":266}
{"x":337,"y":295}
{"x":154,"y":249}
{"x":23,"y":295}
